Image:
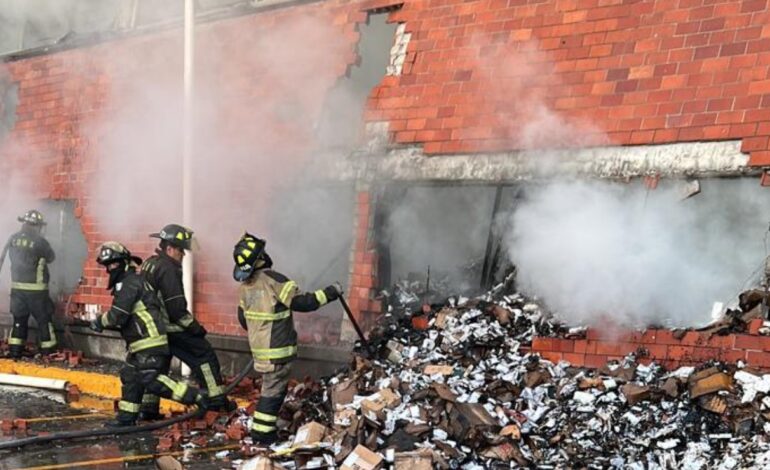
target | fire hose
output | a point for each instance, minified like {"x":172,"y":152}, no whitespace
{"x":86,"y":434}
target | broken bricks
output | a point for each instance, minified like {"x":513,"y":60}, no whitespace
{"x":236,"y":431}
{"x":6,"y":426}
{"x":73,"y":393}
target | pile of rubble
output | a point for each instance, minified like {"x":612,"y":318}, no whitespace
{"x":453,"y":386}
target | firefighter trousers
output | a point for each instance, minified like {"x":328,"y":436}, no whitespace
{"x":40,"y":306}
{"x":275,"y":382}
{"x":199,"y":355}
{"x":148,"y":372}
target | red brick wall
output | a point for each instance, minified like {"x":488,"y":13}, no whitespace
{"x":661,"y":346}
{"x":53,"y":151}
{"x":636,"y":71}
{"x":363,"y":278}
{"x":639,"y":71}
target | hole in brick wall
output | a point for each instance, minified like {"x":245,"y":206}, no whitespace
{"x":341,"y":124}
{"x":65,"y":234}
{"x":662,"y":256}
{"x":595,"y":250}
{"x":447,"y":228}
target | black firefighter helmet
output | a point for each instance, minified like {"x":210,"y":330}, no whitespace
{"x":32,"y":217}
{"x":111,"y":252}
{"x":247,"y":254}
{"x":175,"y":235}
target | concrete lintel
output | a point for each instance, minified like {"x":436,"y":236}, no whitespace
{"x":691,"y":159}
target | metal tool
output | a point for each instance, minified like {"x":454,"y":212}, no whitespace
{"x":352,"y":319}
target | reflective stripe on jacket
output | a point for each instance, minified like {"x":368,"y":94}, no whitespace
{"x":265,"y":300}
{"x":164,"y":275}
{"x":136,"y":313}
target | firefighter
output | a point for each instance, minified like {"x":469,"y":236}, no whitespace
{"x":30,"y":254}
{"x":267,"y":300}
{"x":136,"y":313}
{"x":186,"y":337}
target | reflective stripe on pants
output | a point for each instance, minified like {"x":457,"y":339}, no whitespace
{"x":274,"y":353}
{"x":128,"y":407}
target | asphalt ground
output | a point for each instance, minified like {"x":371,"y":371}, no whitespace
{"x":48,"y":412}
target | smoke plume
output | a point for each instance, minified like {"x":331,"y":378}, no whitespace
{"x":260,"y":123}
{"x":256,"y":105}
{"x":597,"y":250}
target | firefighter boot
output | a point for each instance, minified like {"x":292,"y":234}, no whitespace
{"x":264,"y":439}
{"x":120,"y":423}
{"x":222,"y":403}
{"x":151,"y":416}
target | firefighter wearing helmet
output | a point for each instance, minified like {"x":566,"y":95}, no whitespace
{"x":135,"y":312}
{"x":30,"y":253}
{"x":186,"y":337}
{"x":267,"y":302}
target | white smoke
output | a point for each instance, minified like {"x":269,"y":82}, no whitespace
{"x":598,"y":250}
{"x":256,"y":108}
{"x":19,"y":164}
{"x":261,"y":82}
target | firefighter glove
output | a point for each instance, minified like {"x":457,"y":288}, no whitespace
{"x":196,"y":329}
{"x":96,"y":325}
{"x":333,"y":292}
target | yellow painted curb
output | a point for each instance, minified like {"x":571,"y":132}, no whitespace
{"x":90,"y":383}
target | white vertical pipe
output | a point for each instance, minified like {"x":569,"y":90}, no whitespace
{"x":187,"y":149}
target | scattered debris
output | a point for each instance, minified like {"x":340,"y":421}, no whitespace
{"x":465,"y":392}
{"x":259,"y":463}
{"x":167,"y":463}
{"x":713,"y":382}
{"x":362,"y":459}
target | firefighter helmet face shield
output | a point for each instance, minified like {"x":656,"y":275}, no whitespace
{"x":115,"y":258}
{"x":32,"y":217}
{"x":247,"y":253}
{"x":111,"y":252}
{"x":175,"y":235}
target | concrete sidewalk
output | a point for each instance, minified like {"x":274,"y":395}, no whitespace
{"x":99,"y":390}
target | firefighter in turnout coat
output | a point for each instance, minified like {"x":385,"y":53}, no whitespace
{"x":267,"y":302}
{"x":30,"y":255}
{"x":186,"y":337}
{"x":136,"y":314}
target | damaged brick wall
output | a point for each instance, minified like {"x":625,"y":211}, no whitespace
{"x":59,"y":93}
{"x":363,"y":278}
{"x":668,"y":348}
{"x":639,"y":72}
